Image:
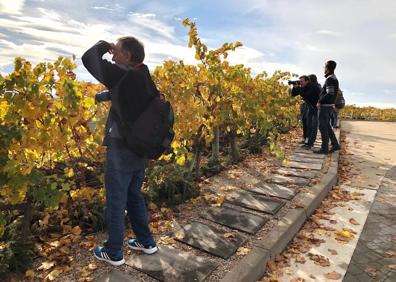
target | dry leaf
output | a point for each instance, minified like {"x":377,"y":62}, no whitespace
{"x":333,"y":252}
{"x":29,"y":274}
{"x":390,"y":254}
{"x":242,"y":251}
{"x":372,"y":272}
{"x":297,"y":206}
{"x":46,"y":265}
{"x":392,"y":266}
{"x":312,"y":276}
{"x":333,"y":275}
{"x":353,"y":221}
{"x":300,"y":259}
{"x":298,"y":279}
{"x":53,"y":274}
{"x":319,"y":260}
{"x":344,"y":233}
{"x":76,"y":230}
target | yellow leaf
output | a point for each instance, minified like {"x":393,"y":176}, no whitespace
{"x":29,"y":274}
{"x":53,"y":274}
{"x":242,"y":251}
{"x":76,"y":230}
{"x":181,"y":160}
{"x":344,"y":233}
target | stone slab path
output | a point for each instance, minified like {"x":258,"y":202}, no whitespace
{"x":303,"y":165}
{"x":263,"y":196}
{"x":297,"y":172}
{"x":236,"y":218}
{"x":254,"y":201}
{"x":210,"y":239}
{"x":170,"y":264}
{"x":274,"y":190}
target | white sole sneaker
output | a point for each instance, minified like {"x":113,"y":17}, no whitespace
{"x":148,"y":251}
{"x":114,"y":263}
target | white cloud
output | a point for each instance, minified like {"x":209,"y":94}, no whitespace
{"x":330,"y":32}
{"x":11,"y":6}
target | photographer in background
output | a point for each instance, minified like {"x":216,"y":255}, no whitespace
{"x":326,"y":106}
{"x":303,"y":111}
{"x":309,"y":92}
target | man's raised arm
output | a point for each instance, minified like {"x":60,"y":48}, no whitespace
{"x":103,"y":70}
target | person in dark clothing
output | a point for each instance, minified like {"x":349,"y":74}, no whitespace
{"x":310,"y":94}
{"x":124,"y":169}
{"x":326,"y":106}
{"x":313,"y":111}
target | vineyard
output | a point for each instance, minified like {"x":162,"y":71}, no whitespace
{"x":368,"y":113}
{"x":51,"y":153}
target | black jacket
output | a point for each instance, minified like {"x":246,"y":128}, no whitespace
{"x":134,"y":94}
{"x":329,"y":90}
{"x":309,"y":93}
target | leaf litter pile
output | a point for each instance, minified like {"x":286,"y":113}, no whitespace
{"x":299,"y":248}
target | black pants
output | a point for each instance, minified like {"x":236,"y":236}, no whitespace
{"x":304,"y":120}
{"x":312,"y":120}
{"x":325,"y":128}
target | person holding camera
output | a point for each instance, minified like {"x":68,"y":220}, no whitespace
{"x":124,"y":169}
{"x":326,"y":106}
{"x":310,"y":94}
{"x":303,"y":111}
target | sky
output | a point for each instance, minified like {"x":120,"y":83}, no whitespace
{"x":297,"y":36}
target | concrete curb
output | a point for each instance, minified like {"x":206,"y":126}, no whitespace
{"x":253,"y":266}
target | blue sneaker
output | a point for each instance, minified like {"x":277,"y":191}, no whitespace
{"x":100,"y":253}
{"x":135,"y":245}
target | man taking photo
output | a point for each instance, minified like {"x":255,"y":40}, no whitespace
{"x":310,"y":94}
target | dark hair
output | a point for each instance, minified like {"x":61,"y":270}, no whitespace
{"x":134,"y":47}
{"x":313,"y":78}
{"x":304,"y":77}
{"x":331,"y":65}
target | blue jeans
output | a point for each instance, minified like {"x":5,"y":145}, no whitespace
{"x":124,"y":175}
{"x":325,"y":128}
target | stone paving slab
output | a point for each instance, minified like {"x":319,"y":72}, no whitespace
{"x":305,"y":159}
{"x":283,"y":179}
{"x":274,"y":190}
{"x":171,"y":264}
{"x":302,"y":165}
{"x":210,"y":239}
{"x":309,"y":155}
{"x":236,"y":219}
{"x":254,"y":201}
{"x":297,"y":172}
{"x":115,"y":276}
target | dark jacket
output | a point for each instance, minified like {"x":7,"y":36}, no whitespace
{"x":134,"y":94}
{"x":309,"y":93}
{"x":329,"y":90}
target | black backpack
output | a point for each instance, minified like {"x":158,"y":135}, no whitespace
{"x":147,"y":131}
{"x":340,"y":100}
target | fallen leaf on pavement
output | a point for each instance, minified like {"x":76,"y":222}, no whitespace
{"x":300,"y":259}
{"x":242,"y":251}
{"x":297,"y":206}
{"x":372,"y":272}
{"x":392,"y":266}
{"x":353,"y":221}
{"x":319,"y":259}
{"x":298,"y":279}
{"x":390,"y":254}
{"x":333,"y":252}
{"x":333,"y":275}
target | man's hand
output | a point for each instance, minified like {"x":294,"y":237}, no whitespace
{"x":318,"y":105}
{"x":111,"y":51}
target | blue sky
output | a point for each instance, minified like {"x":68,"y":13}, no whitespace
{"x":297,"y":36}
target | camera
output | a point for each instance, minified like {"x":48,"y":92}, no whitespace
{"x":293,"y":82}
